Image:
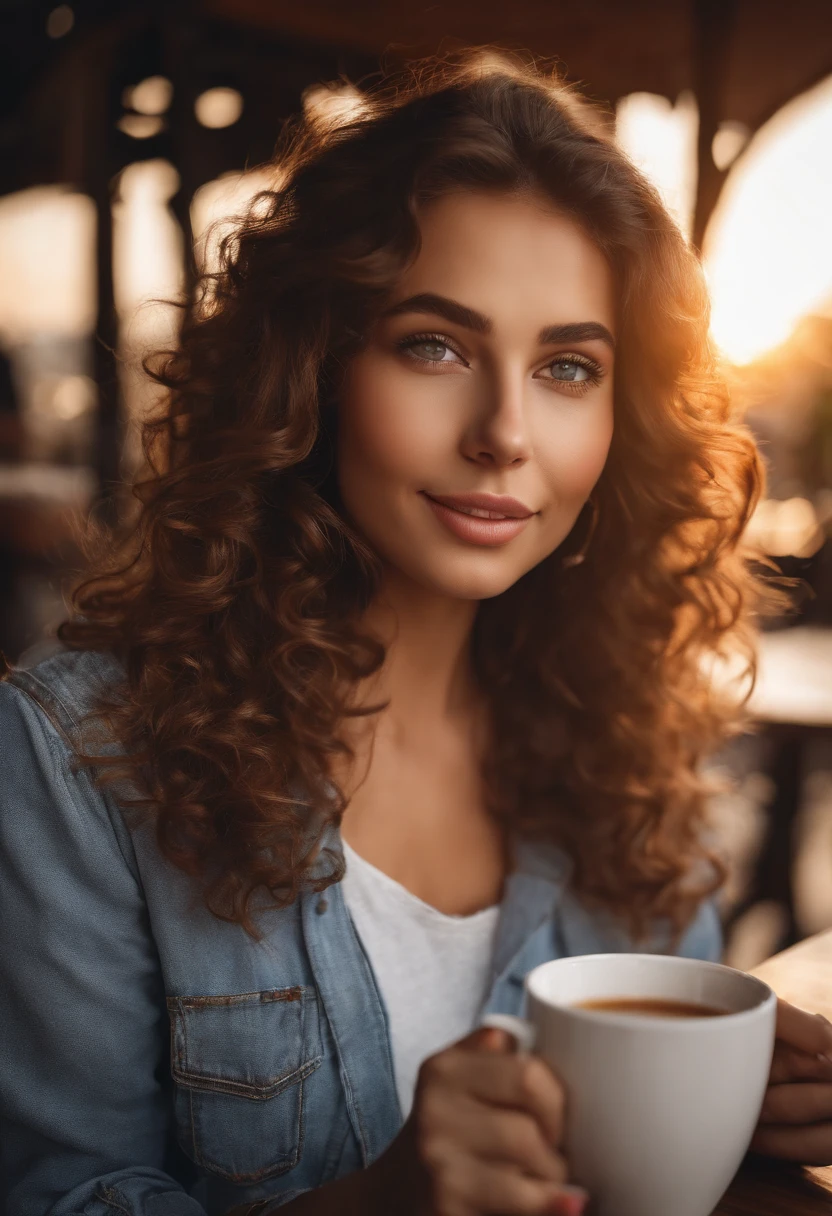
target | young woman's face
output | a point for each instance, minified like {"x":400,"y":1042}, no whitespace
{"x":491,"y":372}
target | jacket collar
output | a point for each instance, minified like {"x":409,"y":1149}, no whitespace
{"x":533,"y":890}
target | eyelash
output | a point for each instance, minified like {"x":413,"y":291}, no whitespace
{"x":594,"y":369}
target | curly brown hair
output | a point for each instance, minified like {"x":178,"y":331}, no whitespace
{"x":234,"y":597}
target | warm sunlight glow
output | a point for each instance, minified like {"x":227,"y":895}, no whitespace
{"x":147,"y":244}
{"x":215,"y":206}
{"x":788,"y":528}
{"x":47,"y":264}
{"x":332,"y":103}
{"x":728,"y":142}
{"x":661,"y":139}
{"x":768,"y":249}
{"x":147,"y":267}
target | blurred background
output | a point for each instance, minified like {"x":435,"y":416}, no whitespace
{"x":129,"y":131}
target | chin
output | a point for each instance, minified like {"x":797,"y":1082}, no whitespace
{"x":477,"y":585}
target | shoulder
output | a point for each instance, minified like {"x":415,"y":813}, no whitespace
{"x":45,"y":795}
{"x":65,"y":685}
{"x":587,"y":930}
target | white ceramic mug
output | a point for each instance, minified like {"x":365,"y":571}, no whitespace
{"x":660,"y":1111}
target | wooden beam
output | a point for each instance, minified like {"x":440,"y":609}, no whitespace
{"x":713,"y":37}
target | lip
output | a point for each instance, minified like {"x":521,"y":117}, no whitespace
{"x":475,"y":529}
{"x":501,"y":504}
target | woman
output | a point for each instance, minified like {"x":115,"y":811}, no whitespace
{"x":393,"y":691}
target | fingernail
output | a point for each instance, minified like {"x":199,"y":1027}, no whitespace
{"x":493,"y":1039}
{"x":570,"y":1201}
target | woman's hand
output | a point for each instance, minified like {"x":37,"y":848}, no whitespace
{"x":796,"y":1119}
{"x":487,"y":1126}
{"x":482,"y":1140}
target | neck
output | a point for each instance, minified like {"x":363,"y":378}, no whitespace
{"x":427,"y":674}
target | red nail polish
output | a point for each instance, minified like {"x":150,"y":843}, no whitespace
{"x":573,"y":1206}
{"x":570,"y":1202}
{"x":493,"y":1039}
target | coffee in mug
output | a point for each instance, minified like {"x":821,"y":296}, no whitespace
{"x":651,"y":1008}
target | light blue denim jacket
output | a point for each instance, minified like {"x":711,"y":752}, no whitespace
{"x":156,"y":1060}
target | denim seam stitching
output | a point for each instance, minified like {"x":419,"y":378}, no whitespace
{"x":211,"y":1084}
{"x":243,"y":1089}
{"x":299,"y":1130}
{"x":376,"y":997}
{"x":110,"y":1197}
{"x":231,"y":1000}
{"x":262,"y":1175}
{"x":346,"y":1082}
{"x":271,"y":1170}
{"x":194,"y":1142}
{"x":44,"y":698}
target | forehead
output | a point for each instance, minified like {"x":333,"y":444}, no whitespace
{"x":513,"y":257}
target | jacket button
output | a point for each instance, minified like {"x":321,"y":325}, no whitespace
{"x":321,"y":906}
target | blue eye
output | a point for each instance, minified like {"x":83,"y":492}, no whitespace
{"x":433,"y":350}
{"x":429,"y":348}
{"x":572,"y":371}
{"x":576,"y":372}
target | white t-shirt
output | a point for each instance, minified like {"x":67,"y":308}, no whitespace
{"x":432,"y":968}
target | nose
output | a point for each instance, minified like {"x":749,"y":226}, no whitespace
{"x":499,"y":430}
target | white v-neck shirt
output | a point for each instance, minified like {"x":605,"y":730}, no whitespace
{"x":432,"y":968}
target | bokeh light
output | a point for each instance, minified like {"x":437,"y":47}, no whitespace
{"x":787,"y":528}
{"x":60,"y":21}
{"x":47,"y":264}
{"x":140,"y":126}
{"x":152,"y":95}
{"x":216,"y":205}
{"x":728,"y":142}
{"x":332,"y":103}
{"x":73,"y":396}
{"x":217,"y":108}
{"x":148,"y":271}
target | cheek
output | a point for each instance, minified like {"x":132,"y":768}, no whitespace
{"x":389,"y":425}
{"x":573,"y":457}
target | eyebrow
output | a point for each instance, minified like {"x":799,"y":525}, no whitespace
{"x":469,"y":318}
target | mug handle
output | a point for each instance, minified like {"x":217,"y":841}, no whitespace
{"x":524,"y":1035}
{"x":520,"y":1030}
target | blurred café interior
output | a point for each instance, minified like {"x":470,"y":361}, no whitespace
{"x":130,"y":131}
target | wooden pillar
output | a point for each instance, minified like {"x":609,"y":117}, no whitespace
{"x":109,"y":431}
{"x":89,"y":163}
{"x":714,"y":23}
{"x":179,"y":38}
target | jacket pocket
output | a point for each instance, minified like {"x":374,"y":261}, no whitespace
{"x":239,"y":1063}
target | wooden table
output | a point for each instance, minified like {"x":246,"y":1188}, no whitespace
{"x":802,"y":975}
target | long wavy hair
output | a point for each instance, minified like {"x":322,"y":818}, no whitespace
{"x":234,"y":596}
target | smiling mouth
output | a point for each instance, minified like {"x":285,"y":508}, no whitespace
{"x":477,"y":525}
{"x":474,"y":511}
{"x":477,"y":512}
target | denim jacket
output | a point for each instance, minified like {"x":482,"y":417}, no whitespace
{"x":156,"y":1060}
